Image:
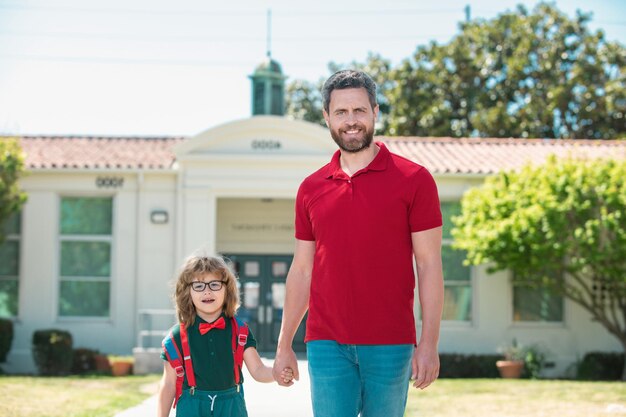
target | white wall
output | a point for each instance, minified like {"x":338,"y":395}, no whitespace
{"x":253,"y":225}
{"x":216,"y":184}
{"x":156,"y":256}
{"x":493,"y":327}
{"x":134,"y":264}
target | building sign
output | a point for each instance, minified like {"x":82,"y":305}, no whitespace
{"x":266,"y":144}
{"x":109,"y":182}
{"x":255,"y":225}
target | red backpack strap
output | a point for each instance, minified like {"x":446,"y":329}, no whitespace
{"x":172,"y":353}
{"x":191,"y":377}
{"x":240,"y":338}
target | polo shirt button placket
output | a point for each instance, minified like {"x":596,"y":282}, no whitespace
{"x":350,"y":188}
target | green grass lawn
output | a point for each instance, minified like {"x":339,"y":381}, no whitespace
{"x":518,"y":398}
{"x":89,"y":396}
{"x":103,"y":396}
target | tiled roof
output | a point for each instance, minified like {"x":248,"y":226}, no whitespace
{"x":440,"y":155}
{"x":486,"y":156}
{"x":89,"y":152}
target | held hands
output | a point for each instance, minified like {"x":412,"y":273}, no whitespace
{"x":286,"y":375}
{"x":425,"y":364}
{"x":285,"y":369}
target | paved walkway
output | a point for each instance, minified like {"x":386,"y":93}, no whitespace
{"x":262,"y":400}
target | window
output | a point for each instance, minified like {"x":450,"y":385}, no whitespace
{"x":457,"y":304}
{"x":277,"y":99}
{"x":10,"y":267}
{"x":259,"y":98}
{"x":536,"y":305}
{"x":85,"y":276}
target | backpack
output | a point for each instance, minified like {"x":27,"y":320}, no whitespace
{"x":182,"y":363}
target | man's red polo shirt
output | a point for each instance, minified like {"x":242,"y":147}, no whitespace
{"x":363,"y":279}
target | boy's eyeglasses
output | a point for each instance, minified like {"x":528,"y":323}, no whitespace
{"x":200,"y":286}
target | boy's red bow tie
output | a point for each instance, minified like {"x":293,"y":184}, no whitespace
{"x":217,"y":324}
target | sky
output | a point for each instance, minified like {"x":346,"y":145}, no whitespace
{"x":165,"y":68}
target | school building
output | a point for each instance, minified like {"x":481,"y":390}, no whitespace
{"x":109,"y":220}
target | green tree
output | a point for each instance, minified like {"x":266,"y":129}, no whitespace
{"x":538,"y":74}
{"x":560,"y":227}
{"x":521,"y":74}
{"x":11,"y":168}
{"x":304,"y":101}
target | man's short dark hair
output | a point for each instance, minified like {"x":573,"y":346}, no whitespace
{"x":348,"y":79}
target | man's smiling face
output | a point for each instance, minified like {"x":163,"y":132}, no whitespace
{"x":351,"y":119}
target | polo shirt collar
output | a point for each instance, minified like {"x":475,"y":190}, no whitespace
{"x":378,"y":164}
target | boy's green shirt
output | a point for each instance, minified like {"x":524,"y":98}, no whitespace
{"x":211,"y":355}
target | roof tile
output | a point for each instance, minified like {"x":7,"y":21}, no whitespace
{"x":95,"y":152}
{"x":490,"y":155}
{"x":440,"y":155}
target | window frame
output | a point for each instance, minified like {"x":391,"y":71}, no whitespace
{"x":448,"y":241}
{"x":85,"y":238}
{"x":458,"y":283}
{"x":533,"y":323}
{"x":15,"y":237}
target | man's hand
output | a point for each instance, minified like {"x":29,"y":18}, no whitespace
{"x":285,"y":358}
{"x":425,"y":364}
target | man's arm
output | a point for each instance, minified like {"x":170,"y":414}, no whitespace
{"x":427,"y":251}
{"x":296,"y":305}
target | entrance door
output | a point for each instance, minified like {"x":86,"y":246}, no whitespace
{"x":262,"y":279}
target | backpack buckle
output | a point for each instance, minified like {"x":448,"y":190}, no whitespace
{"x":180,"y":371}
{"x":243,"y":338}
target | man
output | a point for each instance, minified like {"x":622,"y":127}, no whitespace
{"x":360,"y":220}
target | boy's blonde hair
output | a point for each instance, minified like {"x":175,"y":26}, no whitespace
{"x":194,"y":266}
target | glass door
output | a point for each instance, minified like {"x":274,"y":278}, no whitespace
{"x":262,"y":288}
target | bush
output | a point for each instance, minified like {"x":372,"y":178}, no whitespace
{"x":601,"y":366}
{"x":84,"y":361}
{"x":6,"y":337}
{"x":52,"y":351}
{"x":455,"y":365}
{"x":534,"y":361}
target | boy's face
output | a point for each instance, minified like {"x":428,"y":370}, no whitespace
{"x":208,"y":302}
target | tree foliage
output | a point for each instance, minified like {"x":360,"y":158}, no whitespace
{"x":561,"y":227}
{"x":11,"y":168}
{"x":304,"y":101}
{"x":524,"y":74}
{"x":521,"y":74}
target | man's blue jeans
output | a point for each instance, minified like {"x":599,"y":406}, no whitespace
{"x":350,"y":379}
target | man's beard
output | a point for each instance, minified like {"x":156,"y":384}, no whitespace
{"x":354,"y":145}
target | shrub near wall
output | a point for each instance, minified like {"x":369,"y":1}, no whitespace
{"x":601,"y":366}
{"x":52,"y":351}
{"x":84,"y":361}
{"x":6,"y":337}
{"x":455,"y":365}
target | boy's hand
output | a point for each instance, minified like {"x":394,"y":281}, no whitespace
{"x":285,"y":358}
{"x":286,"y":375}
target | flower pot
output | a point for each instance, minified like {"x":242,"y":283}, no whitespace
{"x":510,"y":369}
{"x":102,"y":363}
{"x":121,"y":368}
